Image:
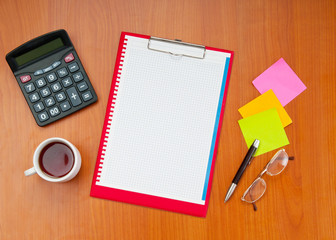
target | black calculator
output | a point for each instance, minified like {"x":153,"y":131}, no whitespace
{"x":51,"y":77}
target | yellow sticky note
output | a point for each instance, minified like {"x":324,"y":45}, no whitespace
{"x":267,"y":128}
{"x":264,"y":102}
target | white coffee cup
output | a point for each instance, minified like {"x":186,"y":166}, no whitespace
{"x":37,"y":169}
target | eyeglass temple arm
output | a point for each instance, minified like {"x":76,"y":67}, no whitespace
{"x":253,"y":203}
{"x":254,"y":206}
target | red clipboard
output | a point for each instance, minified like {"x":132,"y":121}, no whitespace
{"x":144,"y":199}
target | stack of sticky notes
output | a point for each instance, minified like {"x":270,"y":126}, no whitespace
{"x":265,"y":117}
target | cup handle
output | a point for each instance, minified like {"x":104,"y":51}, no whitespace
{"x":30,"y":171}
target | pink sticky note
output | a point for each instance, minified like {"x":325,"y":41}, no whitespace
{"x":282,"y":80}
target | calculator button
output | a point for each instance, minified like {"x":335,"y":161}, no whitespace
{"x":78,"y":76}
{"x":70,"y":57}
{"x":73,"y":67}
{"x":74,"y":97}
{"x":66,"y":82}
{"x":34,"y":97}
{"x":43,"y":116}
{"x":49,"y":101}
{"x":54,"y":111}
{"x":47,"y":69}
{"x":29,"y":87}
{"x":82,"y":86}
{"x":65,"y":106}
{"x":40,"y":82}
{"x":56,"y":64}
{"x":45,"y":92}
{"x":25,"y":78}
{"x":38,"y":72}
{"x":56,"y":87}
{"x":38,"y":107}
{"x":51,"y":77}
{"x":87,"y":96}
{"x":62,"y":72}
{"x":60,"y":97}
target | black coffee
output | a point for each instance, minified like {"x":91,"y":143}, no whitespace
{"x":56,"y":159}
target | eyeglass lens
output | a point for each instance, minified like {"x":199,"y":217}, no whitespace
{"x":256,"y":190}
{"x":278,"y":163}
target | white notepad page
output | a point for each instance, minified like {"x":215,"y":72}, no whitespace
{"x":163,"y":123}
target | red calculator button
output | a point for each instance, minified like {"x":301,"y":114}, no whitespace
{"x":25,"y":78}
{"x":70,"y":57}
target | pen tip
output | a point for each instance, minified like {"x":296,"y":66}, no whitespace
{"x":230,"y":191}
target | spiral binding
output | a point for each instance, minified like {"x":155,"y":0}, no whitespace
{"x":110,"y":114}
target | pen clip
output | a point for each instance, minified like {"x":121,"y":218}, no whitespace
{"x":256,"y":145}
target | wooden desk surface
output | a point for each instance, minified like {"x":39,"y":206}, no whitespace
{"x":298,"y":204}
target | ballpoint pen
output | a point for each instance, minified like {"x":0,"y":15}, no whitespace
{"x":243,"y":166}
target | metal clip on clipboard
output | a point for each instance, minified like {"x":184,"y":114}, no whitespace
{"x":176,"y":47}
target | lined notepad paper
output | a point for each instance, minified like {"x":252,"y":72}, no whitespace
{"x":162,"y":123}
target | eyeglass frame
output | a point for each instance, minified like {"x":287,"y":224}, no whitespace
{"x":259,"y":177}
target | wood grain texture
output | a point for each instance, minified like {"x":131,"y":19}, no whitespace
{"x":298,"y":204}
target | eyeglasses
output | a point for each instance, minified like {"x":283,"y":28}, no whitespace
{"x":275,"y":166}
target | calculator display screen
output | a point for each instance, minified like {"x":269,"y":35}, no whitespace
{"x":39,"y":51}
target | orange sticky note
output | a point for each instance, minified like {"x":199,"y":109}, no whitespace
{"x":264,"y":102}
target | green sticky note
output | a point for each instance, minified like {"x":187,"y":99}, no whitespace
{"x":265,"y":126}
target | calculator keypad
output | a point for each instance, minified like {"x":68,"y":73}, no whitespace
{"x":57,"y":89}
